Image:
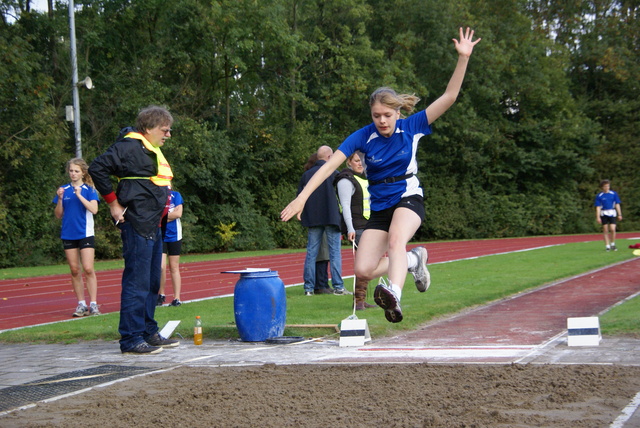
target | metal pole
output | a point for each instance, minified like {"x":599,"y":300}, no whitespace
{"x":74,"y":79}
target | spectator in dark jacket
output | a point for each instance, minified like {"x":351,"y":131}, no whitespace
{"x":321,"y":285}
{"x":322,"y":215}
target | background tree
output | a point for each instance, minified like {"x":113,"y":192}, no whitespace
{"x":549,"y":106}
{"x":602,"y":37}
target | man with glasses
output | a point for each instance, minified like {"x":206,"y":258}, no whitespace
{"x":138,"y":206}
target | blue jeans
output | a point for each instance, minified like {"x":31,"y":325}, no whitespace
{"x":140,"y":285}
{"x":314,"y":239}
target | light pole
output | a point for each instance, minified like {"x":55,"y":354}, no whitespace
{"x":74,"y":80}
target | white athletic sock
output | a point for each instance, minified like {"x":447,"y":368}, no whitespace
{"x":94,"y":303}
{"x":412,"y":260}
{"x":82,"y":302}
{"x":396,"y":290}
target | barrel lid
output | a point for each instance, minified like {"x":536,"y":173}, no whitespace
{"x":248,"y":270}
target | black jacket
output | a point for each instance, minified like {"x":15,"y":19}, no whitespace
{"x":321,"y":208}
{"x":145,"y":202}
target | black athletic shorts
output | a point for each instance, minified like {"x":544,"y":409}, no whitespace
{"x":88,"y":242}
{"x":381,"y":220}
{"x":172,"y":248}
{"x":608,"y":220}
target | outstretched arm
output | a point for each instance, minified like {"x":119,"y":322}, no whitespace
{"x":297,"y":205}
{"x":446,"y":100}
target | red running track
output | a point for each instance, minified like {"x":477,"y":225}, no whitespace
{"x":25,"y":302}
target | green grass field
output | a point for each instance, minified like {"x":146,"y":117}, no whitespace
{"x":455,"y":286}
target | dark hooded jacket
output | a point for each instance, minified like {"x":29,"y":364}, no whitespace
{"x":145,"y":201}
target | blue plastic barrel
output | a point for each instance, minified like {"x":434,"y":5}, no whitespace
{"x":260,"y":306}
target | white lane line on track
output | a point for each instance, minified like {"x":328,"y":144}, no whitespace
{"x":627,"y":412}
{"x":540,"y":349}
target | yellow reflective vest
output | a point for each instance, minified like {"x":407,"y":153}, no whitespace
{"x":366,"y":197}
{"x":164,"y":174}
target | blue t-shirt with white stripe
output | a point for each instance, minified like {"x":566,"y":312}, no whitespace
{"x":390,"y":157}
{"x":77,"y":221}
{"x":173,"y":232}
{"x":607,"y":203}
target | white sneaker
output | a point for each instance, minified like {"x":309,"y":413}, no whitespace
{"x":81,"y":311}
{"x":93,"y":309}
{"x":420,"y":273}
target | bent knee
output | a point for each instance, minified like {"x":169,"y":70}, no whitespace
{"x":363,"y":273}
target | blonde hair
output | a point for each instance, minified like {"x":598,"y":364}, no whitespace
{"x":389,"y":98}
{"x":86,"y":178}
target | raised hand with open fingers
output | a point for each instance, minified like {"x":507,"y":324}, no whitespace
{"x":466,"y":43}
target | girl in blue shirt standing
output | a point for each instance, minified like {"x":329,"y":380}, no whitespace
{"x":172,"y":246}
{"x":397,"y":208}
{"x":76,"y":204}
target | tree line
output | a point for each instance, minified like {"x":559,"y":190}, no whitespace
{"x":548,"y":108}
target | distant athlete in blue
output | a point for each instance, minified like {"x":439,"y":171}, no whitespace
{"x":608,"y":211}
{"x":397,"y":208}
{"x":76,"y":203}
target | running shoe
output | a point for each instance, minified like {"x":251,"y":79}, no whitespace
{"x":342,"y":292}
{"x":613,"y":247}
{"x":93,"y":309}
{"x":387,"y":299}
{"x":175,"y":302}
{"x":420,"y":273}
{"x":81,"y":311}
{"x":161,"y":299}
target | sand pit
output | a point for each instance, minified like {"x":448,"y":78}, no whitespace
{"x":401,"y":395}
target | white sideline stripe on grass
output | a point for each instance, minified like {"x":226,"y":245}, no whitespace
{"x":627,"y":412}
{"x":499,"y":254}
{"x":633,"y":296}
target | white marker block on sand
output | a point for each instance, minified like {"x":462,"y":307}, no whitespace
{"x":583,"y":331}
{"x":354,"y":332}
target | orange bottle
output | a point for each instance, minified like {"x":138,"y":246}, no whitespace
{"x":197,"y":332}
